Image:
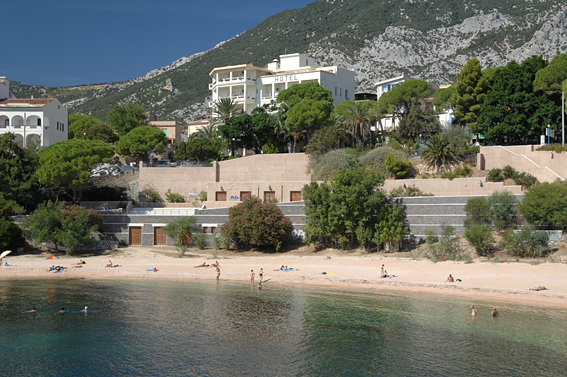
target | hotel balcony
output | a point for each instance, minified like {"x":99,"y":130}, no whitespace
{"x":228,"y":81}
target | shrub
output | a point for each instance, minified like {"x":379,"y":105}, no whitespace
{"x":478,"y":211}
{"x":253,"y":223}
{"x":480,"y":237}
{"x":525,"y":179}
{"x":406,"y":192}
{"x":545,"y":205}
{"x":459,"y":171}
{"x":150,"y":195}
{"x":400,"y":168}
{"x":508,"y":172}
{"x":525,"y":243}
{"x":324,"y":167}
{"x":174,"y":197}
{"x":180,"y":231}
{"x":558,"y":148}
{"x":203,"y":196}
{"x":502,"y":209}
{"x":495,"y":175}
{"x":10,"y":234}
{"x":200,"y":240}
{"x":376,"y":158}
{"x":447,"y":247}
{"x":269,"y":148}
{"x":63,"y":224}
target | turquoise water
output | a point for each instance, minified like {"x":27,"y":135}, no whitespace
{"x":180,"y":328}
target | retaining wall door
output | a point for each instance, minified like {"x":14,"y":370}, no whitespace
{"x":295,"y":196}
{"x":135,"y":235}
{"x":269,"y":195}
{"x":160,"y":237}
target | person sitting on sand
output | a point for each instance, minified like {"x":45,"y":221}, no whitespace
{"x":155,"y":269}
{"x":109,"y":264}
{"x":282,"y":268}
{"x":204,"y":264}
{"x":494,"y":313}
{"x":80,"y":262}
{"x":473,"y":310}
{"x":450,"y":279}
{"x":385,"y":274}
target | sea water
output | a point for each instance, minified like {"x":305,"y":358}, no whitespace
{"x":189,"y":328}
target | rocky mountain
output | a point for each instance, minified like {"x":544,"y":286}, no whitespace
{"x":427,"y":39}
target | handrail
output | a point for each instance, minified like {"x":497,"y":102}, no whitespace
{"x":533,"y":162}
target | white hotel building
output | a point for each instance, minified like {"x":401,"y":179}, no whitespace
{"x":36,"y":122}
{"x":250,"y":86}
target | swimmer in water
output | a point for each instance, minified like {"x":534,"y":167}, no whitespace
{"x":473,"y":310}
{"x":33,"y":310}
{"x":259,"y":285}
{"x":85,"y":310}
{"x":61,"y":311}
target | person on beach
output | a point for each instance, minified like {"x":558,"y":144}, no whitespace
{"x":216,"y":264}
{"x":473,"y":310}
{"x":252,"y":276}
{"x":382,"y":271}
{"x":261,"y":274}
{"x":450,"y":279}
{"x":218,"y":272}
{"x":204,"y":264}
{"x":259,"y":285}
{"x":494,"y":313}
{"x":109,"y":264}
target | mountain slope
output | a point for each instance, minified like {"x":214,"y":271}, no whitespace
{"x":429,"y":39}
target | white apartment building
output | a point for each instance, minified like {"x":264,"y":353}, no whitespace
{"x":35,"y":121}
{"x":250,"y":86}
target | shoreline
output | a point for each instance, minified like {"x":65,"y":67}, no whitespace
{"x":481,"y":281}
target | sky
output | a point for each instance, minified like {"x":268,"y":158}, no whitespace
{"x":73,"y":42}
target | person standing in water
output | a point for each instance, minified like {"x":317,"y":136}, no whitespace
{"x":494,"y":313}
{"x":261,"y":274}
{"x":473,"y":310}
{"x":218,"y":271}
{"x":252,"y":276}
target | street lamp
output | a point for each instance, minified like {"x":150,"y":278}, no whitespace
{"x":420,"y":144}
{"x":563,"y":118}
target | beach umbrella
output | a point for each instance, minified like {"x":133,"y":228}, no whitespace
{"x":52,"y":257}
{"x":5,"y":253}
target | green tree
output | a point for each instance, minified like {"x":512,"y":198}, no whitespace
{"x":180,"y":231}
{"x":142,"y":141}
{"x":223,"y":110}
{"x":391,"y":228}
{"x":417,"y":123}
{"x":545,"y":205}
{"x":63,"y":224}
{"x":550,"y":78}
{"x":477,"y":210}
{"x":18,"y":181}
{"x":480,"y":237}
{"x":68,"y":164}
{"x":101,"y":131}
{"x":326,"y":139}
{"x":470,"y":91}
{"x":308,"y":108}
{"x":438,"y":152}
{"x":237,"y":131}
{"x":346,"y":212}
{"x":502,"y":209}
{"x":254,"y":223}
{"x":512,"y":113}
{"x":403,"y":97}
{"x":358,"y":118}
{"x":10,"y":234}
{"x":197,"y":149}
{"x":445,"y":98}
{"x":79,"y":123}
{"x":124,"y":118}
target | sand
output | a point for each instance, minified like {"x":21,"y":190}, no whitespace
{"x":481,"y":280}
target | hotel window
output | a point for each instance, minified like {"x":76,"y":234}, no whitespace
{"x":6,"y":122}
{"x":335,"y":90}
{"x":39,"y":122}
{"x":341,"y":91}
{"x":346,"y":93}
{"x":205,"y":229}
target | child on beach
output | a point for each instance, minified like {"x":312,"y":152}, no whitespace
{"x":261,"y":274}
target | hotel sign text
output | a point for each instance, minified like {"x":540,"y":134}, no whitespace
{"x":285,"y":78}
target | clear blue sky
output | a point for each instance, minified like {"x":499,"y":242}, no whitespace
{"x":70,"y":42}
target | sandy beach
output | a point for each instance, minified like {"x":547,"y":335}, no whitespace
{"x":481,"y":280}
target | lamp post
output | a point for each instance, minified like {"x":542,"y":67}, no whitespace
{"x":563,"y":118}
{"x":420,"y":144}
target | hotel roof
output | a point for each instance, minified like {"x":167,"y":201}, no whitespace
{"x":17,"y":103}
{"x":249,"y":66}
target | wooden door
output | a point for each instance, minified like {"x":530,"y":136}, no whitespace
{"x":245,"y":195}
{"x":135,"y":235}
{"x":160,"y":237}
{"x":269,"y":195}
{"x":220,"y":196}
{"x":295,"y":196}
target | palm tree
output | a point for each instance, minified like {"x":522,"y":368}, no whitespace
{"x":223,"y":110}
{"x":358,"y":119}
{"x":207,"y":132}
{"x":438,"y":152}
